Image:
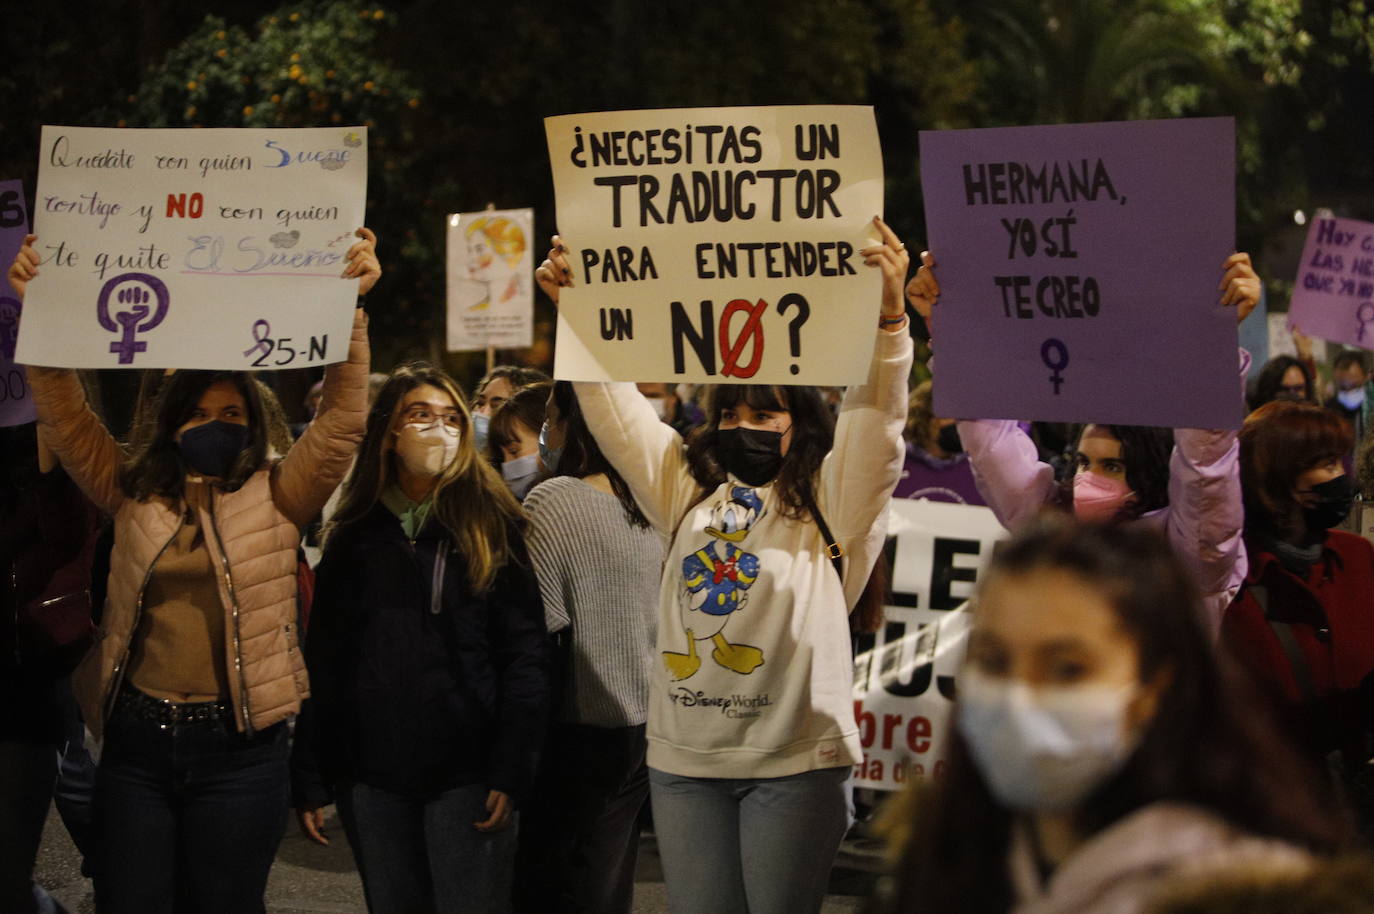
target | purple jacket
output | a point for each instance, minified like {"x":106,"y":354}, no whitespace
{"x":1203,"y":520}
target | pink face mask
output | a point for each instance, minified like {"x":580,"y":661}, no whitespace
{"x":1097,"y":498}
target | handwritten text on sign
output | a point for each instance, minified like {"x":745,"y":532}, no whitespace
{"x":1082,"y":261}
{"x":904,"y":675}
{"x":1333,"y":296}
{"x":194,"y":248}
{"x":718,"y":244}
{"x":490,"y":279}
{"x":16,"y":401}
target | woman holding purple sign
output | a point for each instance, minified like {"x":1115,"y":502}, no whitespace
{"x":196,"y":667}
{"x":1186,"y":482}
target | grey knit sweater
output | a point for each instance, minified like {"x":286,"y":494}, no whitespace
{"x":600,"y":575}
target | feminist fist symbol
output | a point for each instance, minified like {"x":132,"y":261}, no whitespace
{"x":127,"y":323}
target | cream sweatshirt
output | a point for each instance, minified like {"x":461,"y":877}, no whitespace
{"x":754,"y":670}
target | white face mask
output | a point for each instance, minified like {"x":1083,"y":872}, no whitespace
{"x":1351,"y":399}
{"x":1044,"y":749}
{"x":660,"y":405}
{"x":427,"y":450}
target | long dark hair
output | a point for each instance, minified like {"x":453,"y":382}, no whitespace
{"x":1145,"y":449}
{"x":525,"y":407}
{"x":156,"y":467}
{"x":813,"y":435}
{"x":582,"y":456}
{"x":1270,"y":380}
{"x":1278,"y":442}
{"x":470,"y":498}
{"x":1209,"y":743}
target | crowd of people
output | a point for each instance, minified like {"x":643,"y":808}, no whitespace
{"x":546,"y":613}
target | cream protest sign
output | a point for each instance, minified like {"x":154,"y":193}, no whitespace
{"x":718,"y":244}
{"x":490,"y":279}
{"x":194,"y":248}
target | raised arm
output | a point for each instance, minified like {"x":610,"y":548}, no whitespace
{"x":644,"y":450}
{"x":67,"y":423}
{"x":1206,"y":510}
{"x":315,"y":466}
{"x":1006,"y":465}
{"x":861,"y":470}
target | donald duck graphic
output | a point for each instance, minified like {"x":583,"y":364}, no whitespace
{"x":716,"y":579}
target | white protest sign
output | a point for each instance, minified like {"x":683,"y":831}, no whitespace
{"x":490,"y":280}
{"x":718,"y":244}
{"x":194,"y":248}
{"x":904,"y":675}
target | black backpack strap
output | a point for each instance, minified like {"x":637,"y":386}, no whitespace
{"x":833,"y":549}
{"x":1302,"y":672}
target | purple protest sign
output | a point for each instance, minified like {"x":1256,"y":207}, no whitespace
{"x":1079,"y":267}
{"x":1333,"y":296}
{"x":16,"y":405}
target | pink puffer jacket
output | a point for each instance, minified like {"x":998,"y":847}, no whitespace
{"x":251,"y":534}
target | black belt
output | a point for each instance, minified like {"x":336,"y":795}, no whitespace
{"x":139,"y":706}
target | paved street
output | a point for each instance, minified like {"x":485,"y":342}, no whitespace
{"x":308,"y":879}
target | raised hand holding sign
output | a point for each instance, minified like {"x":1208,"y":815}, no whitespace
{"x":151,"y":238}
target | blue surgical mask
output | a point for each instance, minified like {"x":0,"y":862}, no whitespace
{"x":549,"y":456}
{"x":212,"y":448}
{"x":1044,"y":749}
{"x":480,"y":424}
{"x":521,"y":474}
{"x":1351,"y":399}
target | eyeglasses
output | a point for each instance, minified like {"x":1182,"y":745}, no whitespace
{"x":424,"y":416}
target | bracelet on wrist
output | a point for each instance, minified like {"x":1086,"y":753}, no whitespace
{"x":888,"y":321}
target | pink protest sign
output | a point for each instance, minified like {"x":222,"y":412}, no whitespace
{"x":16,"y":406}
{"x":1333,"y":295}
{"x":1079,"y":266}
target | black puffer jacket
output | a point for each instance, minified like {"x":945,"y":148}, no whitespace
{"x":415,"y":689}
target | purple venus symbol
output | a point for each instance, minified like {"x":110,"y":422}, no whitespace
{"x":9,"y":325}
{"x":136,"y":318}
{"x":1055,"y":355}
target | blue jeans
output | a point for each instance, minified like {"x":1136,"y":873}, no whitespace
{"x":749,"y":845}
{"x":423,"y":856}
{"x":187,"y":817}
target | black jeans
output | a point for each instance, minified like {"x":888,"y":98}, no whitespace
{"x":189,"y":810}
{"x":579,"y":835}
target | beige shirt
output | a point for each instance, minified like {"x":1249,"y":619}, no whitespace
{"x":179,"y":648}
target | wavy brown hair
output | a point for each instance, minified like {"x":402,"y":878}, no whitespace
{"x":470,"y":499}
{"x":1278,"y":442}
{"x":156,"y":467}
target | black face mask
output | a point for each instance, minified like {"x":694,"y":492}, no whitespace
{"x":948,"y":440}
{"x":1335,"y":497}
{"x":212,"y":448}
{"x":751,"y":455}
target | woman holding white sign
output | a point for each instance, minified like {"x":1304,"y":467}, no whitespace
{"x":751,"y":722}
{"x":196,"y":667}
{"x":1190,"y":487}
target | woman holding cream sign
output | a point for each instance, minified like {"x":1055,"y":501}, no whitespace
{"x":197,"y":666}
{"x":751,"y":725}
